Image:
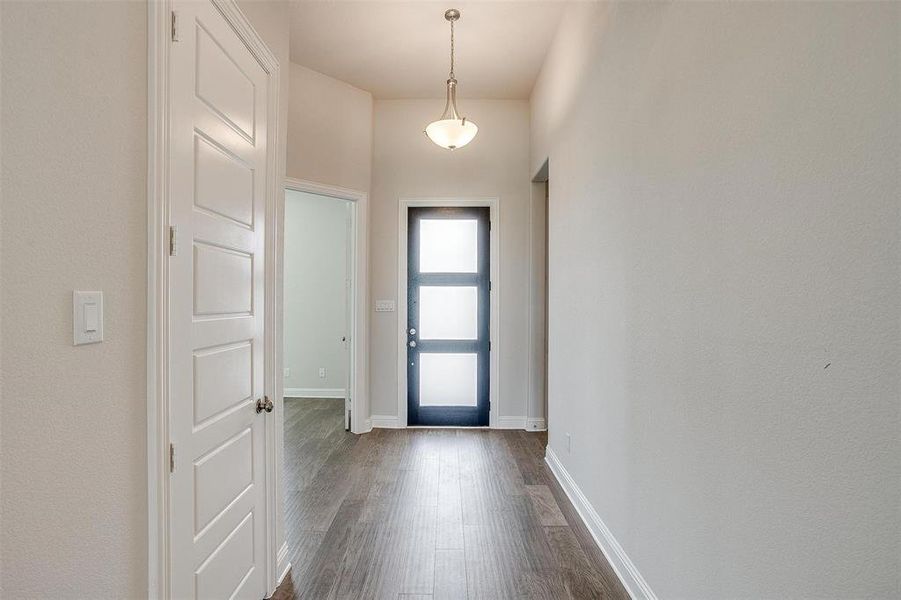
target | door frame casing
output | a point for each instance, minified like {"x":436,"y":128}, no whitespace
{"x":159,"y":28}
{"x":494,"y":294}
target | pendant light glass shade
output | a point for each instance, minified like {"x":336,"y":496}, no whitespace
{"x":451,"y":131}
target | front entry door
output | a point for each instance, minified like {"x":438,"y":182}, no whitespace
{"x":448,"y":316}
{"x":217,"y":412}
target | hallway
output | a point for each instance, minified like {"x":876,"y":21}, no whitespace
{"x":429,"y":513}
{"x":682,"y":329}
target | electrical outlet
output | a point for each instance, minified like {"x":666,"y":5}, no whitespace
{"x":569,"y":443}
{"x":287,"y":372}
{"x":321,"y":372}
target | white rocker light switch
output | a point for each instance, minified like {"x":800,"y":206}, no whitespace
{"x":87,"y":317}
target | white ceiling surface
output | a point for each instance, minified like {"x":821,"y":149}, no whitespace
{"x":402,"y":49}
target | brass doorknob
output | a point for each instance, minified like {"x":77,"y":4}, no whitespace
{"x":264,"y":403}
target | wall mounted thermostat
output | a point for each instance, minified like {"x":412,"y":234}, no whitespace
{"x":87,"y":317}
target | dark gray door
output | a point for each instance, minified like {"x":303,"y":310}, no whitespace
{"x":448,"y":316}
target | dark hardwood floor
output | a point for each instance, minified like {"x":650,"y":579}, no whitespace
{"x":429,"y":513}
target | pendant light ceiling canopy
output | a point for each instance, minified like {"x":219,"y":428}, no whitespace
{"x":451,"y":131}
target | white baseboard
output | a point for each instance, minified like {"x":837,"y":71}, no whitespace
{"x":533,"y":424}
{"x":315,"y":393}
{"x":625,"y":569}
{"x":509,"y":423}
{"x":385,"y":422}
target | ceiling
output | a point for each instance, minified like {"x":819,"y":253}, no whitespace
{"x":401,"y":49}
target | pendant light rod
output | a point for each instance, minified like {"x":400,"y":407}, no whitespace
{"x":452,"y":15}
{"x":451,"y":131}
{"x":450,"y":108}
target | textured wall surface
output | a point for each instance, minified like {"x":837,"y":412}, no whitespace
{"x":73,"y":440}
{"x":330,"y":127}
{"x":73,"y":445}
{"x":725,"y":289}
{"x":408,"y":165}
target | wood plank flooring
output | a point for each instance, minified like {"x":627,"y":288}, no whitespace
{"x":429,"y":514}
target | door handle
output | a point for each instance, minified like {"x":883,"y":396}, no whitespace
{"x":264,"y":403}
{"x":412,"y":343}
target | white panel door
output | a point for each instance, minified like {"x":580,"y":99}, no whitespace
{"x":217,"y":202}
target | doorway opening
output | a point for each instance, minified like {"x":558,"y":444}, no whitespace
{"x":317,"y":305}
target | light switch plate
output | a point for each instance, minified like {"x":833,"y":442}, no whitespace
{"x":384,"y":306}
{"x":87,"y":317}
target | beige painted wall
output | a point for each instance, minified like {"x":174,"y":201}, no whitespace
{"x":330,"y":128}
{"x":73,"y":443}
{"x":725,"y":291}
{"x":407,"y":165}
{"x":72,"y":449}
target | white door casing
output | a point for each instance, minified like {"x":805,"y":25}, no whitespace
{"x":218,"y":186}
{"x":348,"y":311}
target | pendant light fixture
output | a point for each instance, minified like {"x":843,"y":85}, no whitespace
{"x":451,"y":131}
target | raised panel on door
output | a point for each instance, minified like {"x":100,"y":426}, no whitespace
{"x":223,"y":280}
{"x":220,"y":477}
{"x":222,"y":84}
{"x":223,"y":380}
{"x":218,"y":167}
{"x":226,"y":571}
{"x":223,"y":183}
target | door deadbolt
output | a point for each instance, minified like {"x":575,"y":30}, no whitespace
{"x":412,"y":331}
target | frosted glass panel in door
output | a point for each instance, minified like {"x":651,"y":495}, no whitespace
{"x":448,"y":379}
{"x":448,"y":246}
{"x":448,"y":312}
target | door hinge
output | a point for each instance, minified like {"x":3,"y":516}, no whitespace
{"x":489,"y":345}
{"x":174,"y":26}
{"x":172,"y":458}
{"x":489,"y":286}
{"x":173,"y":240}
